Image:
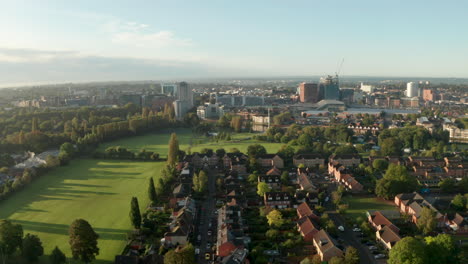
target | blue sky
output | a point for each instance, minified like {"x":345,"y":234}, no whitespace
{"x":59,"y":41}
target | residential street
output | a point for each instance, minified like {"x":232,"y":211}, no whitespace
{"x":208,"y":208}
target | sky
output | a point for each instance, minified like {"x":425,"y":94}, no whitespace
{"x":54,"y":41}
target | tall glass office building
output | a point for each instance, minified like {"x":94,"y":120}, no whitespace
{"x":330,"y":88}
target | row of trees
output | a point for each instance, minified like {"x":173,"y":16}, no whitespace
{"x":67,"y":151}
{"x":118,"y":152}
{"x":436,"y":250}
{"x":83,"y":243}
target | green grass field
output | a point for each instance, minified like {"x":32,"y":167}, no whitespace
{"x":359,"y":205}
{"x":157,"y":142}
{"x":97,"y":191}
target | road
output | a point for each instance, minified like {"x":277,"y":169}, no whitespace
{"x":351,"y":239}
{"x":348,"y":235}
{"x":206,"y":216}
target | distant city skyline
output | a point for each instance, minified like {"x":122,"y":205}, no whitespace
{"x":54,"y":41}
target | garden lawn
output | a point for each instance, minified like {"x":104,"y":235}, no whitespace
{"x":158,"y":142}
{"x":359,"y":205}
{"x":98,"y":191}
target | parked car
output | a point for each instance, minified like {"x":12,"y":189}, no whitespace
{"x":372,"y":247}
{"x":208,"y":246}
{"x":379,"y":256}
{"x":357,"y":229}
{"x":341,"y":228}
{"x":207,"y":256}
{"x":209,"y":232}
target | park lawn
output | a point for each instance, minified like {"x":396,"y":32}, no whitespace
{"x":98,"y":191}
{"x":359,"y":205}
{"x":158,"y":142}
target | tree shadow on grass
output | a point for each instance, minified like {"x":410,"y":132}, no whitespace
{"x":60,"y":229}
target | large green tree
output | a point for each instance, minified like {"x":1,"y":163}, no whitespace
{"x":336,"y":260}
{"x":426,"y":222}
{"x":351,"y":256}
{"x":442,"y":249}
{"x":391,"y":147}
{"x":275,"y":218}
{"x":396,"y":180}
{"x":409,"y":250}
{"x":135,"y":215}
{"x":152,"y":191}
{"x":11,"y":236}
{"x":256,"y":150}
{"x":57,"y":256}
{"x":262,"y":188}
{"x":185,"y":255}
{"x":447,"y":185}
{"x":83,"y":241}
{"x":459,"y":202}
{"x":32,"y":247}
{"x":173,"y":149}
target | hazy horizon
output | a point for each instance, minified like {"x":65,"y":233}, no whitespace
{"x":87,"y":41}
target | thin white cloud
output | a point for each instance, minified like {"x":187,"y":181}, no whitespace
{"x":32,"y":55}
{"x":137,"y":34}
{"x":157,"y":39}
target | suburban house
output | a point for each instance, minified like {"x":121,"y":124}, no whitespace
{"x":309,"y":160}
{"x":239,"y":166}
{"x":386,"y":232}
{"x":457,"y":223}
{"x":235,"y":162}
{"x":305,"y":183}
{"x":274,"y":181}
{"x":350,"y":182}
{"x":279,"y":200}
{"x":274,"y":171}
{"x":181,"y":225}
{"x":452,"y":161}
{"x":303,"y":210}
{"x":229,"y":157}
{"x":456,"y":171}
{"x":360,"y":129}
{"x":238,"y":256}
{"x":387,"y":236}
{"x":307,"y":228}
{"x":413,"y":203}
{"x":270,"y":160}
{"x":199,"y":160}
{"x":230,"y":234}
{"x":347,"y":160}
{"x":426,"y":161}
{"x":379,"y":219}
{"x":325,"y":246}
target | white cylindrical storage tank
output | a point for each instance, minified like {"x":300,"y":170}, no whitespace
{"x":412,"y":89}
